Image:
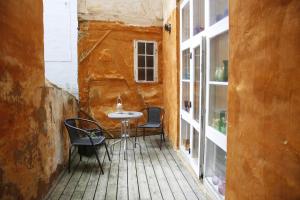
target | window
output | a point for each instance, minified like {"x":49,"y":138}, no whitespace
{"x":145,"y":61}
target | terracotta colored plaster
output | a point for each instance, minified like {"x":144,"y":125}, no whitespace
{"x":108,"y":71}
{"x":33,"y":143}
{"x":171,"y":77}
{"x":263,"y":157}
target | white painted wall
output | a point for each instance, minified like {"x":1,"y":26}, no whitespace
{"x":132,"y":12}
{"x":60,"y":43}
{"x":168,"y":7}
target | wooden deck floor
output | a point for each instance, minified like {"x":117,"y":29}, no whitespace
{"x":152,"y":174}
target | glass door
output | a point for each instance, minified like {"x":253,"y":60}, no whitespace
{"x":191,"y":106}
{"x":216,"y":98}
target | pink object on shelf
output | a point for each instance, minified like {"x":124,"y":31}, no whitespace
{"x":215,"y":180}
{"x":221,"y":188}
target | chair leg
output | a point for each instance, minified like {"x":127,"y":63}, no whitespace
{"x":96,"y":153}
{"x":80,"y":157}
{"x":107,"y":151}
{"x":70,"y":158}
{"x":144,"y":133}
{"x":135,"y":137}
{"x":160,"y":141}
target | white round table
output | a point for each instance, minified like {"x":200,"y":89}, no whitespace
{"x":124,"y":118}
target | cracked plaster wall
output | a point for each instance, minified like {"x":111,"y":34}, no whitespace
{"x":106,"y":69}
{"x":33,"y":142}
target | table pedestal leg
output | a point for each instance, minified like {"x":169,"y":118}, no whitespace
{"x":124,"y":138}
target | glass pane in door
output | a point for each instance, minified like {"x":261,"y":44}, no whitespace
{"x":185,"y":22}
{"x":186,"y":64}
{"x":195,"y":148}
{"x":215,"y":167}
{"x":219,"y":58}
{"x":218,"y":9}
{"x":185,"y":135}
{"x":185,"y":96}
{"x":196,"y":83}
{"x":217,"y":116}
{"x":198,"y":19}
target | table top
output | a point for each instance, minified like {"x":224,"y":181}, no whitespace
{"x":125,"y":115}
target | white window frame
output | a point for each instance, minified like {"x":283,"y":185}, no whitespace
{"x":155,"y":61}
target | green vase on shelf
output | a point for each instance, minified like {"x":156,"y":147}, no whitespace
{"x":225,"y":73}
{"x":219,"y":74}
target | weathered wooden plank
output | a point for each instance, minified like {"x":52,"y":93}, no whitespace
{"x":83,"y":181}
{"x":122,"y":182}
{"x":94,"y":176}
{"x":162,"y":181}
{"x":60,"y":187}
{"x":133,"y":189}
{"x":155,"y":191}
{"x":69,"y":189}
{"x":188,"y":176}
{"x":143,"y":186}
{"x":184,"y":185}
{"x":174,"y":186}
{"x":112,"y":186}
{"x":103,"y":179}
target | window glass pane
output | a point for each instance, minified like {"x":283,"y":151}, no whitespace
{"x":141,"y":48}
{"x":215,"y":167}
{"x":186,"y":96}
{"x":195,"y":146}
{"x":185,"y":135}
{"x":198,"y":16}
{"x":141,"y":74}
{"x":186,"y":64}
{"x":196,"y":83}
{"x":186,"y":22}
{"x":150,"y":75}
{"x":219,"y":58}
{"x":217,"y":116}
{"x":141,"y":61}
{"x":150,"y":61}
{"x":150,"y":47}
{"x":218,"y":10}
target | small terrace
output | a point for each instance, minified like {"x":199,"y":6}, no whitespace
{"x":224,"y":75}
{"x":149,"y":174}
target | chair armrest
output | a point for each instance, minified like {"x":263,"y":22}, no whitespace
{"x":91,"y":122}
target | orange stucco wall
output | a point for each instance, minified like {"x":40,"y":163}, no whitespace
{"x":171,"y":79}
{"x":33,"y":145}
{"x":106,"y":69}
{"x":263,"y":157}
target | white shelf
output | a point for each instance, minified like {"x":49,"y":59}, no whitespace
{"x":218,"y":83}
{"x":220,"y":139}
{"x":186,"y":80}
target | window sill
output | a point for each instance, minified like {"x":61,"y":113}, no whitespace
{"x":146,"y":82}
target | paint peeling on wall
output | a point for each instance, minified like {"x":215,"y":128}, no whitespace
{"x":106,"y":70}
{"x":33,"y":143}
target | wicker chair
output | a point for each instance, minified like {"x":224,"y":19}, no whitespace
{"x":89,"y":137}
{"x":154,"y":121}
